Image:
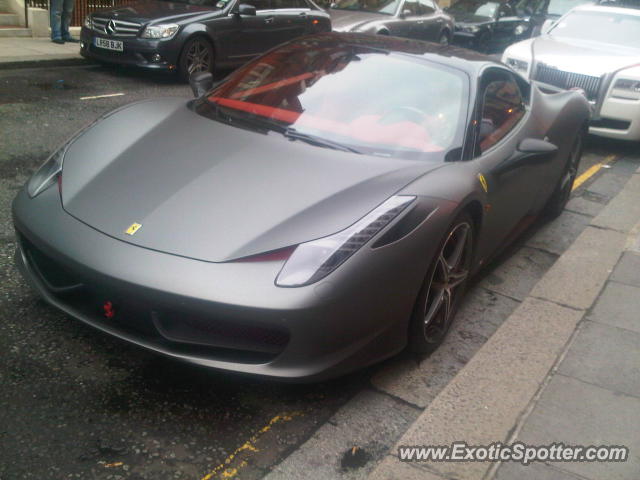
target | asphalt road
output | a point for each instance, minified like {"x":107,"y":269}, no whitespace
{"x":75,"y":403}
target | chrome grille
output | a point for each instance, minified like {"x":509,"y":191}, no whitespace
{"x":115,"y":28}
{"x":567,"y":80}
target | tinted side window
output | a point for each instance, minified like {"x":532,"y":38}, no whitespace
{"x":277,"y":4}
{"x":410,"y":7}
{"x":502,"y":109}
{"x":427,"y":7}
{"x":259,"y":4}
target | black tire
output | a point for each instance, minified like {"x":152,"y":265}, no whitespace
{"x":197,"y":56}
{"x":562,"y":193}
{"x":444,"y":39}
{"x":443,"y":287}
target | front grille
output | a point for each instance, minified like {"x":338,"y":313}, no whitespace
{"x":189,"y":327}
{"x":56,"y":277}
{"x":115,"y":28}
{"x":567,"y":80}
{"x":172,"y":330}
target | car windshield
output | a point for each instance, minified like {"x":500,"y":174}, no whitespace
{"x":387,"y":7}
{"x":560,"y":7}
{"x":602,"y":27}
{"x":479,"y":9}
{"x":362,"y":99}
{"x":529,"y":7}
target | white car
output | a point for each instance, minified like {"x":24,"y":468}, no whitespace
{"x":596,"y":49}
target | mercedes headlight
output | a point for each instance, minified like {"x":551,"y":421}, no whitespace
{"x":48,"y":173}
{"x":471,"y":29}
{"x":314,"y":260}
{"x":88,"y":22}
{"x":520,"y":29}
{"x":163,"y":31}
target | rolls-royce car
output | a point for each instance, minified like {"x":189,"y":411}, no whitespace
{"x":289,"y":222}
{"x":190,"y":36}
{"x":596,"y":49}
{"x":419,"y":19}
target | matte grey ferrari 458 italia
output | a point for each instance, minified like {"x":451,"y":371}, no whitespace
{"x":317,"y":211}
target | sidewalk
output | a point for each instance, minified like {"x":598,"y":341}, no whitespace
{"x":563,"y":368}
{"x":28,"y":51}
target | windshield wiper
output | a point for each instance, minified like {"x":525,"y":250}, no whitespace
{"x":293,"y":134}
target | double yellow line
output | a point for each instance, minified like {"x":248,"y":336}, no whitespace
{"x":591,"y":171}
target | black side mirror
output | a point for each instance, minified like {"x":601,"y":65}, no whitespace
{"x":201,"y":83}
{"x":531,"y":151}
{"x":535,"y":146}
{"x":245,"y":9}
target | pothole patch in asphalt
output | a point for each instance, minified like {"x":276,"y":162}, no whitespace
{"x":356,"y":457}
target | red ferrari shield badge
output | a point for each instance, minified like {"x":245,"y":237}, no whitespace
{"x":108,"y":310}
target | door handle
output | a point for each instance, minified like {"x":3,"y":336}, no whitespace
{"x":268,"y":20}
{"x":302,"y":14}
{"x":420,"y":22}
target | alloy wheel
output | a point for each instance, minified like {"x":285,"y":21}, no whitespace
{"x":449,"y":274}
{"x":572,"y":169}
{"x":198,"y":58}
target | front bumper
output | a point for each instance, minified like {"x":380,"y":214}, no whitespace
{"x":619,"y":118}
{"x":228,"y":316}
{"x":616,"y":118}
{"x":137,"y":52}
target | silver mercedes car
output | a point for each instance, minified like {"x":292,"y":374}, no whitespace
{"x":596,"y":49}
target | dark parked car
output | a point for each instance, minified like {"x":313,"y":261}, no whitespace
{"x":196,"y":35}
{"x":317,"y":211}
{"x":419,"y":19}
{"x":491,"y":25}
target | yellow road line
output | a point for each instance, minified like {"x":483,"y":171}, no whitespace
{"x":591,"y":171}
{"x":225,"y":470}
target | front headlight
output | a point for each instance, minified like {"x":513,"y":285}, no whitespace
{"x":520,"y":29}
{"x":518,"y":65}
{"x":88,"y":22}
{"x":47,"y":174}
{"x":314,"y":260}
{"x":164,"y":31}
{"x":471,"y":29}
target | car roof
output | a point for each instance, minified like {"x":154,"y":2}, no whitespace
{"x":460,"y":58}
{"x":628,"y":10}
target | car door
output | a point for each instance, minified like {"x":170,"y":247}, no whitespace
{"x":406,"y":22}
{"x":430,"y":21}
{"x":509,"y":178}
{"x":250,"y":35}
{"x":292,"y":18}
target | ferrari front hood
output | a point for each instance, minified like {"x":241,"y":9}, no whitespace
{"x":209,"y":191}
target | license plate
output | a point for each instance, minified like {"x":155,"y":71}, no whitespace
{"x":116,"y":45}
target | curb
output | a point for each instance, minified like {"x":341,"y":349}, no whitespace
{"x":488,"y":400}
{"x":46,"y":62}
